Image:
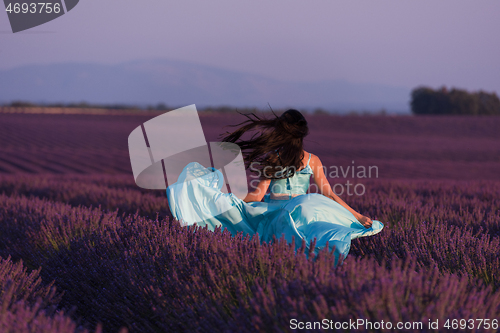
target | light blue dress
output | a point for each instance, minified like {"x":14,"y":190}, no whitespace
{"x":287,"y":211}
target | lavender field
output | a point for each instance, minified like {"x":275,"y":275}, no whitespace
{"x":85,"y":250}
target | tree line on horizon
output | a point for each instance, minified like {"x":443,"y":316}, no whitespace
{"x":427,"y":101}
{"x":127,"y":107}
{"x":424,"y":101}
{"x":86,"y":105}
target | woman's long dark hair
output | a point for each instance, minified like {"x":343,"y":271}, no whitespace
{"x":275,"y":150}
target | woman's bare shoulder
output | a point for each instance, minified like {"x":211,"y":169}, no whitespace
{"x":315,"y":161}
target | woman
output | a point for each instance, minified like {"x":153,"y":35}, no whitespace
{"x":275,"y":152}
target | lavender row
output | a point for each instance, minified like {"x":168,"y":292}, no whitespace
{"x":401,"y":146}
{"x":455,"y":225}
{"x":28,"y":306}
{"x":474,"y":204}
{"x":111,"y":192}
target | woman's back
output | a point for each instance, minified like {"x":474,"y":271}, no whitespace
{"x":298,"y":184}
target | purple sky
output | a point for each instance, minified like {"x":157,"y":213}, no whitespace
{"x":401,"y":43}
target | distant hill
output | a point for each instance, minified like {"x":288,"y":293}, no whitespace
{"x":176,"y":83}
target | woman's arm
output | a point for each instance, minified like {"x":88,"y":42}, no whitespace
{"x":259,"y":191}
{"x":325,"y":189}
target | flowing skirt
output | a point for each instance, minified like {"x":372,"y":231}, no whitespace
{"x":197,"y":198}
